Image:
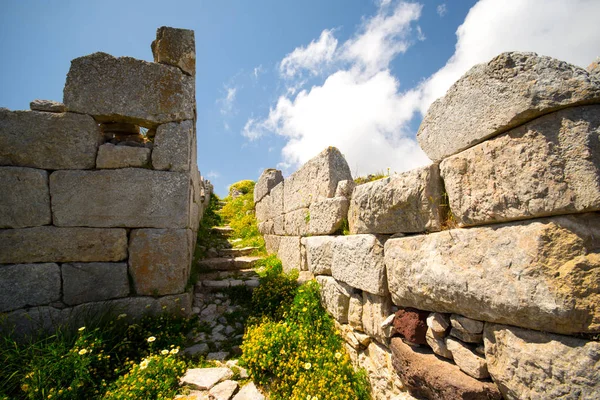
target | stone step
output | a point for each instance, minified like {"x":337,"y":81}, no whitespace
{"x":217,"y":285}
{"x":243,"y":274}
{"x":228,"y":263}
{"x":222,"y":230}
{"x":244,"y":251}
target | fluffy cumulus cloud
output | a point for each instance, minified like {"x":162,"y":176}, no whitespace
{"x":564,"y":29}
{"x":360,"y":107}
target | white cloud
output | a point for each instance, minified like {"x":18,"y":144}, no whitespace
{"x":441,"y":9}
{"x":564,"y":29}
{"x":213,"y":174}
{"x":311,"y":57}
{"x":227,"y":101}
{"x":257,"y":71}
{"x":382,"y":37}
{"x":357,"y":109}
{"x":360,"y":109}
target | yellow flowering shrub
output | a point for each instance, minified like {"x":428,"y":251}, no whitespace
{"x":155,"y":377}
{"x":300,"y":356}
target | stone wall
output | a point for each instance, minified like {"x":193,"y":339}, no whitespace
{"x":477,"y":276}
{"x":101,"y":196}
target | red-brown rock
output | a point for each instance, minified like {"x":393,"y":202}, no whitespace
{"x":426,"y":375}
{"x":411,"y":324}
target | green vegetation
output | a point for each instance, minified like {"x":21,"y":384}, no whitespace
{"x":238,"y":213}
{"x":291,"y":346}
{"x":106,"y":358}
{"x":370,"y":178}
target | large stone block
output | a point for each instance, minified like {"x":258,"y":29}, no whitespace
{"x":263,"y":209}
{"x":358,"y":261}
{"x":404,"y":203}
{"x":428,"y":376}
{"x":542,"y":274}
{"x":129,"y":197}
{"x":536,"y":365}
{"x":128,"y":90}
{"x":25,"y":199}
{"x":319,"y":254}
{"x":279,"y":225}
{"x":267,"y":181}
{"x":385,"y":384}
{"x":112,"y":157}
{"x":335,"y":297}
{"x":272,"y":243}
{"x":25,"y":285}
{"x":327,"y":216}
{"x":375,"y":309}
{"x":173,"y":146}
{"x":296,"y":222}
{"x":52,"y":244}
{"x":48,"y":140}
{"x":512,"y":89}
{"x":159,"y":260}
{"x":549,"y":166}
{"x":88,"y":282}
{"x":289,"y":253}
{"x":277,"y":200}
{"x":315,"y":180}
{"x":175,"y":47}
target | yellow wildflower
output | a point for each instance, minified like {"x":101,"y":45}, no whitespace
{"x":81,"y":329}
{"x":82,"y":352}
{"x":164,"y":352}
{"x":307,"y":365}
{"x":151,"y":339}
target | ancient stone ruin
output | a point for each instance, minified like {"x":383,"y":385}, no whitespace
{"x":475,"y":277}
{"x":101,"y":196}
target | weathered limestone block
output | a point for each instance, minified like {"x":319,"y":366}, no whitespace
{"x":319,"y":254}
{"x":277,"y":200}
{"x":267,"y":227}
{"x":52,"y":244}
{"x":173,"y":146}
{"x":467,"y":359}
{"x":385,"y":385}
{"x":345,"y":189}
{"x":272,"y":243}
{"x":535,"y":365}
{"x":25,"y":199}
{"x":407,"y":202}
{"x":24,"y":285}
{"x":355,"y":311}
{"x":128,"y":90}
{"x":335,"y":297}
{"x":375,"y":309}
{"x":594,"y":68}
{"x":315,"y":180}
{"x":512,"y":89}
{"x":263,"y":209}
{"x":549,"y":166}
{"x":159,"y":260}
{"x":289,"y":253}
{"x":34,"y":320}
{"x":112,"y":157}
{"x":47,"y":106}
{"x":130,"y":197}
{"x":175,"y":47}
{"x":88,"y":282}
{"x":426,"y":375}
{"x":267,"y":181}
{"x":466,"y":336}
{"x":48,"y":140}
{"x":358,"y":261}
{"x":542,"y":274}
{"x":296,"y":222}
{"x":327,"y":216}
{"x":279,"y":225}
{"x":437,"y":344}
{"x":465,"y":324}
{"x":438,"y":323}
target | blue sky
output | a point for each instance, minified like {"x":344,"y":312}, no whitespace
{"x":278,"y":81}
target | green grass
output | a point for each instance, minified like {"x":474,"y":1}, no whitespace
{"x":291,"y":346}
{"x":101,"y":355}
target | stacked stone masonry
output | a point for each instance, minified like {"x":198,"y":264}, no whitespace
{"x":101,"y":196}
{"x":477,"y":276}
